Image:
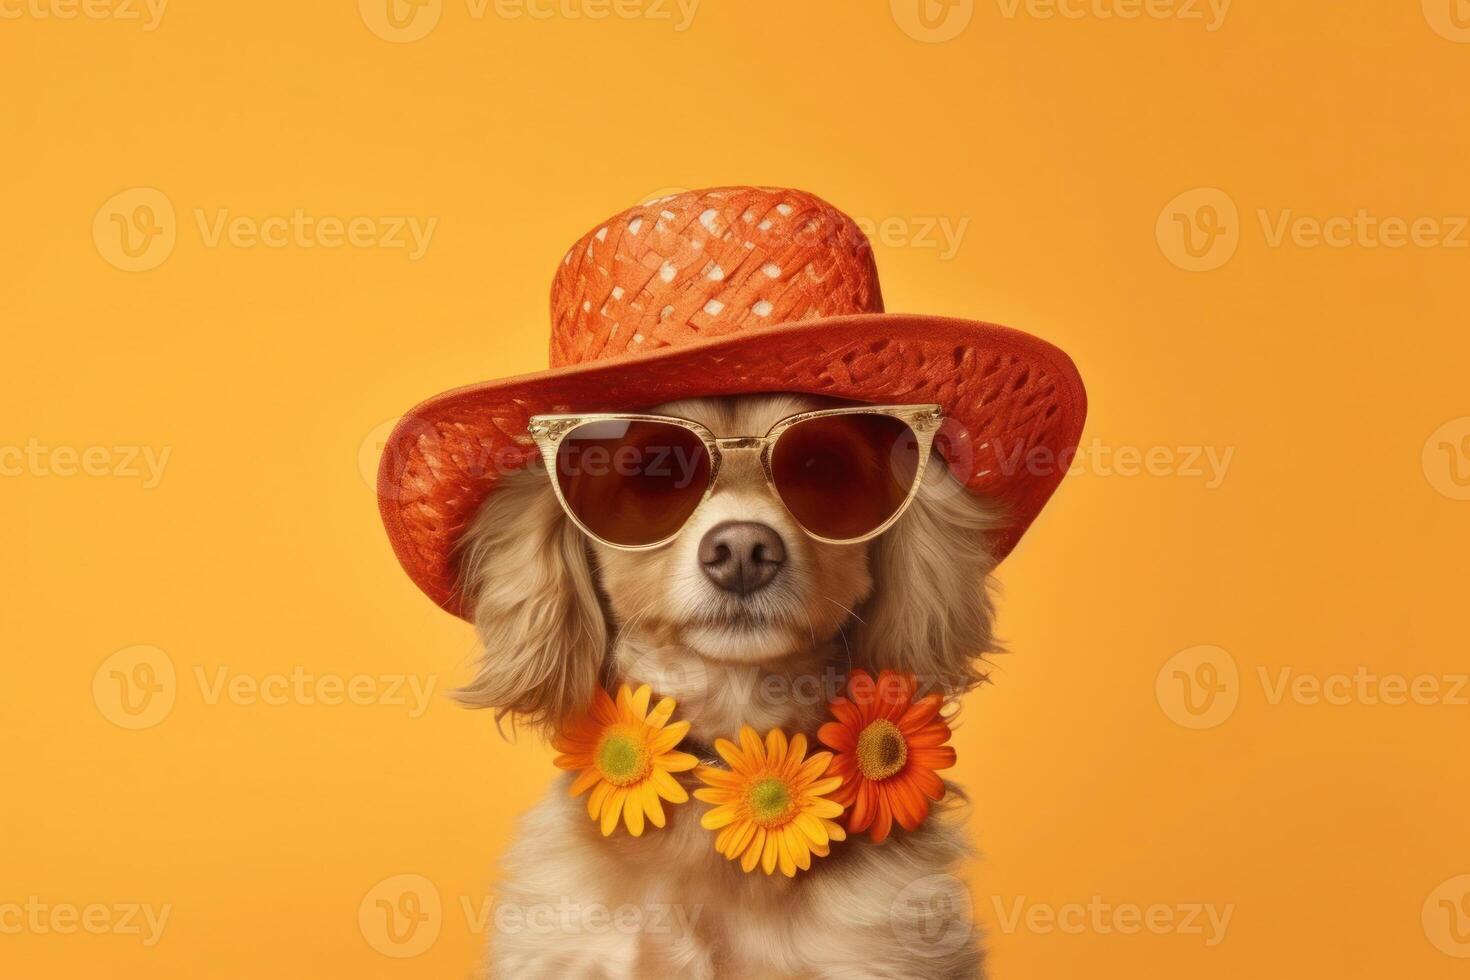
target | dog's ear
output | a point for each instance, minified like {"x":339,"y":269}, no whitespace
{"x":931,"y":611}
{"x":526,"y":572}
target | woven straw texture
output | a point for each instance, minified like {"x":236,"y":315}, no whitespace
{"x":720,"y":292}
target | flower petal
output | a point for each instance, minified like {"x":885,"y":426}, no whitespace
{"x":604,"y":710}
{"x":811,"y":828}
{"x":734,"y":757}
{"x":595,"y":801}
{"x":800,"y":853}
{"x":585,"y":781}
{"x":720,"y":816}
{"x":824,"y":787}
{"x":670,"y":736}
{"x":813,"y":768}
{"x":722,"y":778}
{"x":754,"y":851}
{"x":640,"y":700}
{"x":824,"y":808}
{"x":924,"y":780}
{"x":909,"y":807}
{"x":776,"y":748}
{"x":661,"y":713}
{"x":864,"y":808}
{"x":613,"y":809}
{"x":835,"y":735}
{"x":676,"y":762}
{"x":633,"y":813}
{"x":940,"y":757}
{"x":736,"y":837}
{"x":770,"y":853}
{"x":922,"y":712}
{"x":928,"y":737}
{"x":652,"y":808}
{"x":882,"y":818}
{"x":668,"y":787}
{"x":847,"y":713}
{"x":750,"y":744}
{"x":784,"y":858}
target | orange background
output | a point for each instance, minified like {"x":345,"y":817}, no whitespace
{"x":1335,"y":540}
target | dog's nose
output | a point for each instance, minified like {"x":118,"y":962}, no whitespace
{"x":741,"y":556}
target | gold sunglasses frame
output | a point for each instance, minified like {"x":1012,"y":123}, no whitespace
{"x":549,"y":431}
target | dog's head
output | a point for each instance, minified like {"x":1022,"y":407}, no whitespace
{"x":740,"y":585}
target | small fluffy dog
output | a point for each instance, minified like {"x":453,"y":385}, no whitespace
{"x":559,"y":614}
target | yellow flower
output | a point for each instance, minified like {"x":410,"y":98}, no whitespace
{"x":625,"y":754}
{"x":771,"y":804}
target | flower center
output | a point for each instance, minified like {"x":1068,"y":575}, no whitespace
{"x":881,"y":750}
{"x":623,"y":759}
{"x":769,"y":800}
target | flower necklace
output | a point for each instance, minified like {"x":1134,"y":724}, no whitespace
{"x":775,"y":806}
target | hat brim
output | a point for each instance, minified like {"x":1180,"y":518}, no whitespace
{"x":1014,"y":407}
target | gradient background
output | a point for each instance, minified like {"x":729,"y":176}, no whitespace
{"x":1334,"y":375}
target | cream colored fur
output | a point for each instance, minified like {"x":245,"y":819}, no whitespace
{"x":558,"y":614}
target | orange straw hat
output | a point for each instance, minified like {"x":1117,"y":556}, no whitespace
{"x":728,"y":291}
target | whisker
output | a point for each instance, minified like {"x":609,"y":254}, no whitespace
{"x":844,"y":609}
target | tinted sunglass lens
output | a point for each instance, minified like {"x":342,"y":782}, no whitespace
{"x":632,"y":483}
{"x":844,"y":476}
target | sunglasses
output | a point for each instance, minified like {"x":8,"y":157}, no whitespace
{"x":633,"y":481}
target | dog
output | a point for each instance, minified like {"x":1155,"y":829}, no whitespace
{"x":559,"y":614}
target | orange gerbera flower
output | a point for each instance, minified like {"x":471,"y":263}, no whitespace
{"x":626,"y":756}
{"x":888,"y":747}
{"x":772,"y":805}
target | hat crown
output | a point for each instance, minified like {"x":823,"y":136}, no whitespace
{"x":705,"y":264}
